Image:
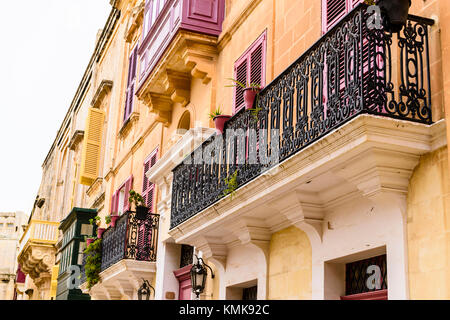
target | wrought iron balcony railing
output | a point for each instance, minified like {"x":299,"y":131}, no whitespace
{"x":351,"y":70}
{"x":131,"y":239}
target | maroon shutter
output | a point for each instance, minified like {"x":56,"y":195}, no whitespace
{"x":148,"y":189}
{"x":241,"y":76}
{"x":113,"y":203}
{"x":127,"y":187}
{"x":332,"y":12}
{"x":250,"y":69}
{"x":132,"y":70}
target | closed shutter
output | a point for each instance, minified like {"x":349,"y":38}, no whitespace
{"x":90,"y":158}
{"x":130,"y":85}
{"x":113,"y":208}
{"x":335,"y":10}
{"x":148,"y":189}
{"x":250,"y":69}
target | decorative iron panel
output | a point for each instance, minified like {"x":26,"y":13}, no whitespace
{"x":131,"y":238}
{"x":350,"y":71}
{"x":187,"y":256}
{"x":357,"y":273}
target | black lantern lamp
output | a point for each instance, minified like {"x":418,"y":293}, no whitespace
{"x":145,"y":290}
{"x":199,"y":273}
{"x":396,"y":13}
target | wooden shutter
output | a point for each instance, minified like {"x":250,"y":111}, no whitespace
{"x":148,"y":188}
{"x":130,"y":85}
{"x":90,"y":158}
{"x":126,"y":188}
{"x":335,"y":10}
{"x":250,"y":68}
{"x":113,"y":207}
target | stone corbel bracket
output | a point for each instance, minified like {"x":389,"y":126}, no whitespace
{"x":178,"y":86}
{"x":161,"y":105}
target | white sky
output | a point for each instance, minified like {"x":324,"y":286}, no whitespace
{"x":45,"y":48}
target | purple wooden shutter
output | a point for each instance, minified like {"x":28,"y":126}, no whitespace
{"x":148,"y":188}
{"x":130,"y":85}
{"x":127,"y":187}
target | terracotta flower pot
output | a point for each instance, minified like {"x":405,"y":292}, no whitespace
{"x":219,"y":122}
{"x":141,"y":212}
{"x":397,"y":13}
{"x":250,"y":96}
{"x":100,"y":232}
{"x":114,"y":220}
{"x":88,"y":242}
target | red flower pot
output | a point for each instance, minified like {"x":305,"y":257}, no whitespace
{"x":100,"y":232}
{"x":114,"y":220}
{"x":219,"y":122}
{"x":250,"y":96}
{"x":88,"y":242}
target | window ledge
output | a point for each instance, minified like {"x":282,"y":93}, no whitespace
{"x":128,"y":124}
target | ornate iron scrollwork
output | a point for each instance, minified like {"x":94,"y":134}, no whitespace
{"x":350,"y":71}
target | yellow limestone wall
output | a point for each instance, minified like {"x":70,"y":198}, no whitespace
{"x":428,"y":227}
{"x":290,"y":266}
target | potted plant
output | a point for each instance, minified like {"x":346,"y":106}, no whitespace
{"x":97,"y":221}
{"x":141,"y":209}
{"x":89,"y":240}
{"x":251,"y":92}
{"x":219,"y":120}
{"x":396,"y":12}
{"x":108,"y":220}
{"x":114,"y":218}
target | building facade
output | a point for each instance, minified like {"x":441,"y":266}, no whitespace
{"x":333,"y":186}
{"x":11,"y":229}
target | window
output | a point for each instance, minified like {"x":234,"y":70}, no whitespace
{"x":148,"y":188}
{"x":119,"y":201}
{"x":152,"y":10}
{"x":10,"y":225}
{"x":250,"y":68}
{"x":335,"y":10}
{"x":129,"y":102}
{"x":185,"y":123}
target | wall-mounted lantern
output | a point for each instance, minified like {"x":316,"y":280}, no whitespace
{"x":396,"y":12}
{"x":145,"y":290}
{"x":199,"y":273}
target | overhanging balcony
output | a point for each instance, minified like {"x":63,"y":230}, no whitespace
{"x":180,"y":43}
{"x":128,"y":256}
{"x":348,"y":73}
{"x":37,"y":248}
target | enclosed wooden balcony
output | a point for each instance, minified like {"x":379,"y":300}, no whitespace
{"x":180,"y":38}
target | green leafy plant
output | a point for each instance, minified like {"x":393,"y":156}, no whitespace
{"x":370,"y":2}
{"x":255,"y":113}
{"x":136,"y":198}
{"x":108,"y":219}
{"x":246,"y":85}
{"x":92,"y":267}
{"x":96,"y":220}
{"x":215,"y":113}
{"x":231,"y":182}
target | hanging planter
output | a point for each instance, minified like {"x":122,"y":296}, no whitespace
{"x":396,"y":12}
{"x":219,"y":122}
{"x":141,"y":212}
{"x":100,"y":232}
{"x":114,"y":220}
{"x":250,"y":97}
